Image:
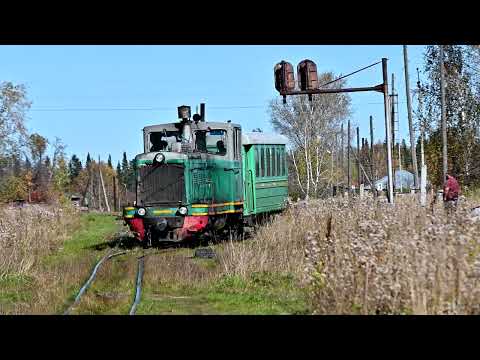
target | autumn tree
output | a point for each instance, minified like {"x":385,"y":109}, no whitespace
{"x":462,"y":104}
{"x":13,"y":107}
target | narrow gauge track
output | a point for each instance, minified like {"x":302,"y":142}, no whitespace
{"x":84,"y":288}
{"x":139,"y":277}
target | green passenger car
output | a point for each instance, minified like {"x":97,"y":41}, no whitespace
{"x":265,"y":173}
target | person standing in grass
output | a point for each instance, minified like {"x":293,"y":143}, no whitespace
{"x":451,"y":190}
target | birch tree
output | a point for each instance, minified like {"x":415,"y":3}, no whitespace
{"x":311,"y":128}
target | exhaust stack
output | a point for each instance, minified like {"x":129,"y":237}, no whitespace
{"x":202,"y":112}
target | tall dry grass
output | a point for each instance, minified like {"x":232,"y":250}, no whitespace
{"x":27,"y":236}
{"x":368,"y":257}
{"x":276,"y":246}
{"x":365,"y":257}
{"x":29,"y":233}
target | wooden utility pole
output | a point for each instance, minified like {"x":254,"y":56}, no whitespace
{"x":393,"y":128}
{"x":336,"y":162}
{"x":98,"y":189}
{"x":90,"y":194}
{"x":444,"y":115}
{"x":103,"y":185}
{"x":115,"y":202}
{"x":359,"y":175}
{"x":423,"y":167}
{"x":411,"y":130}
{"x":371,"y":149}
{"x":348,"y":157}
{"x":342,"y":158}
{"x":400,"y":166}
{"x":388,"y":134}
{"x":393,"y":111}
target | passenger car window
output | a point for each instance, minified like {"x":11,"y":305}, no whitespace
{"x":269,"y":160}
{"x":274,"y":161}
{"x":257,"y":163}
{"x":279,"y":165}
{"x":262,"y":161}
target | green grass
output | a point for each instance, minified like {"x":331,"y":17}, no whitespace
{"x":9,"y":290}
{"x":93,"y":230}
{"x":260,"y":294}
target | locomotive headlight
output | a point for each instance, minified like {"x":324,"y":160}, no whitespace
{"x":141,"y":211}
{"x":183,"y":210}
{"x":159,"y":158}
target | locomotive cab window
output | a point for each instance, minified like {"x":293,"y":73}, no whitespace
{"x":212,"y":141}
{"x":163,"y":140}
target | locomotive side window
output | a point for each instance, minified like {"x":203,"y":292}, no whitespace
{"x":237,"y":138}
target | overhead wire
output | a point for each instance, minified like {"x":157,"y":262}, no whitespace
{"x":352,"y":73}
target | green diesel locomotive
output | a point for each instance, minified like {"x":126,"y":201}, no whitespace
{"x":196,"y":178}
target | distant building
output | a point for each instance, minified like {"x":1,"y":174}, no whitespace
{"x":403,"y":180}
{"x":76,"y":200}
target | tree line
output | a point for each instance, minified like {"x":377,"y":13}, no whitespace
{"x":30,"y":172}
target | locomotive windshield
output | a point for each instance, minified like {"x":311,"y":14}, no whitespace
{"x":163,"y":141}
{"x":211,"y":141}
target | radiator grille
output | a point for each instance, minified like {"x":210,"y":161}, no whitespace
{"x":161,"y":184}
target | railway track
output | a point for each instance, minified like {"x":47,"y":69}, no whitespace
{"x":138,"y":282}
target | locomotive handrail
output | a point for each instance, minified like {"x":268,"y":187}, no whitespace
{"x":236,"y":171}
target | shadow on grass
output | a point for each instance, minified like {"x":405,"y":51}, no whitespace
{"x":126,"y":242}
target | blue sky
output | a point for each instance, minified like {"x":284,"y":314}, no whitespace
{"x":98,"y":98}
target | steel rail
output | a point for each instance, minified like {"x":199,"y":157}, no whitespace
{"x":108,"y":256}
{"x":138,"y":290}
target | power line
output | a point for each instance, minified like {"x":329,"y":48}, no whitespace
{"x":356,"y":71}
{"x":60,"y":109}
{"x":66,"y":109}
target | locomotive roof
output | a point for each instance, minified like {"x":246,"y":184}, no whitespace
{"x":200,"y":125}
{"x":262,"y":138}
